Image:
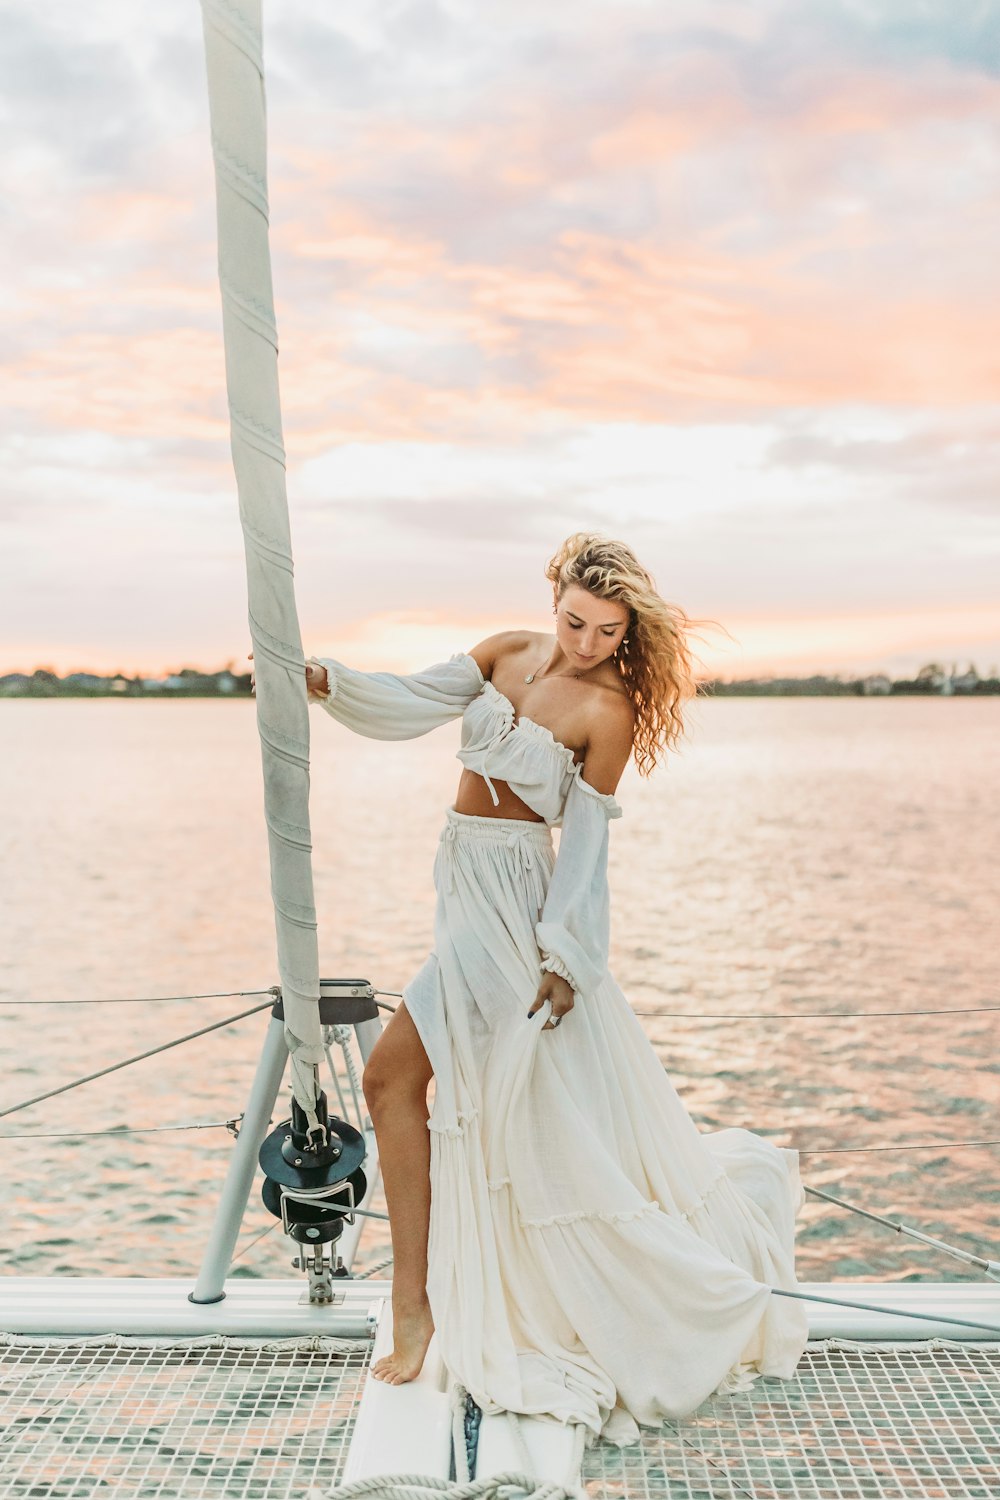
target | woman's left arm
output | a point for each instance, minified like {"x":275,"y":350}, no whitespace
{"x":573,"y":932}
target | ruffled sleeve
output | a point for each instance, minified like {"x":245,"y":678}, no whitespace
{"x":390,"y":706}
{"x":574,"y":930}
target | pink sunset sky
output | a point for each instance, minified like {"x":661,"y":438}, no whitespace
{"x":719,"y":279}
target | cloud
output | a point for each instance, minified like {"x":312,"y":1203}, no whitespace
{"x":714,"y":276}
{"x":952,"y":462}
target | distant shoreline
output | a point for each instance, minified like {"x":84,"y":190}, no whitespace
{"x":931,"y":681}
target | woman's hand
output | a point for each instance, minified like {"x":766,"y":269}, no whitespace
{"x":317,"y":678}
{"x":555,"y":988}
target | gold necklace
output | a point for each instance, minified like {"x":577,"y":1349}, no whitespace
{"x":531,"y":675}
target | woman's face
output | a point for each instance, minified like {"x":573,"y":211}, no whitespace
{"x":589,"y":629}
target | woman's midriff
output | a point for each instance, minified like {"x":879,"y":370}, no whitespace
{"x":474,"y":798}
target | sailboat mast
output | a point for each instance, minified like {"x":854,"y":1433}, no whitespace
{"x":233,"y":50}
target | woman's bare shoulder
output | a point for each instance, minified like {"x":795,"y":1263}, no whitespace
{"x":610,"y":703}
{"x":506,"y":644}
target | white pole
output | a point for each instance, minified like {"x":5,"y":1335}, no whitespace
{"x":218,"y":1257}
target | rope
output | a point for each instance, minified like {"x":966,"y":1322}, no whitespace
{"x":473,"y":1427}
{"x":520,"y":1442}
{"x":342,"y":1036}
{"x":374,"y":1270}
{"x":462,"y":1460}
{"x":140,"y":1057}
{"x":511,"y":1483}
{"x":149,"y":999}
{"x":425,"y":1486}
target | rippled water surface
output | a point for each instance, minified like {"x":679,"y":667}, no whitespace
{"x":800,"y":855}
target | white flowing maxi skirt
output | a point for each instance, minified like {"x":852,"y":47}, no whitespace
{"x":592,"y":1256}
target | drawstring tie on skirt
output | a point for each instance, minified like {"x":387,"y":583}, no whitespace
{"x":520,"y":841}
{"x":449,"y":834}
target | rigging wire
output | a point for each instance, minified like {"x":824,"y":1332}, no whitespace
{"x":812,"y":1015}
{"x":64,"y":1088}
{"x":150,"y":999}
{"x":255,"y":1241}
{"x":72,"y":1135}
{"x":991,"y":1267}
{"x":273,"y":989}
{"x":667,"y":1015}
{"x":65,"y":1135}
{"x":896,"y":1312}
{"x":906,"y":1146}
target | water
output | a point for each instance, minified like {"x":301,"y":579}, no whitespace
{"x":800,"y":855}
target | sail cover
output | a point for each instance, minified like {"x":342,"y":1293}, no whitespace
{"x":239,"y":145}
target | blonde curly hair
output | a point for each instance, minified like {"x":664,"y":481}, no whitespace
{"x":654,"y":659}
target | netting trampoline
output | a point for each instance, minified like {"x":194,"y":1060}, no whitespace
{"x":262,"y":1419}
{"x":207,"y":1417}
{"x":857,"y":1420}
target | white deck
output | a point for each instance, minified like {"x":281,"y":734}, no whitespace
{"x":75,"y":1306}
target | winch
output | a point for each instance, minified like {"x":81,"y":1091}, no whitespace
{"x":312,"y":1182}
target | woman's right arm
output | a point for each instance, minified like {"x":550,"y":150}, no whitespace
{"x":393,"y":706}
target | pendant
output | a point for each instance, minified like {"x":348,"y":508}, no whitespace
{"x":530,"y":677}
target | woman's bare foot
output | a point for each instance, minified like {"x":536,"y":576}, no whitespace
{"x":411,"y":1333}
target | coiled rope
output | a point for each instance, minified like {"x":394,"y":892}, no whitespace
{"x":512,"y":1484}
{"x":504,"y":1486}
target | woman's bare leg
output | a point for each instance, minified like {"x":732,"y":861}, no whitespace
{"x":395,"y":1084}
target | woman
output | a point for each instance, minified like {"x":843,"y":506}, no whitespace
{"x":580,"y":1249}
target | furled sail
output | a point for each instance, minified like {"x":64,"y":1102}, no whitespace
{"x":239,"y":145}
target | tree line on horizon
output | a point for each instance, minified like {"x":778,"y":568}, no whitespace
{"x":189,"y":682}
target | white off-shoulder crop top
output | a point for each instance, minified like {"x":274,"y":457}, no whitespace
{"x":574,"y":926}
